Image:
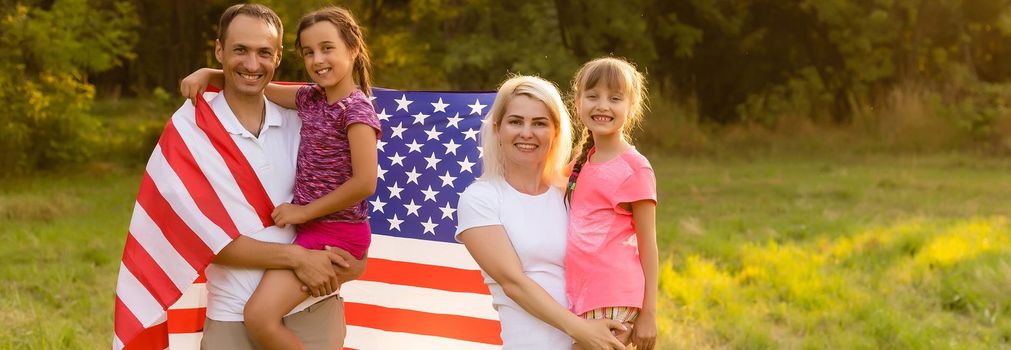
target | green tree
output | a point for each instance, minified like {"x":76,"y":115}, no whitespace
{"x":44,"y":91}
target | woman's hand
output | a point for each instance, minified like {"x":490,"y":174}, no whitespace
{"x":597,"y":334}
{"x":289,"y":214}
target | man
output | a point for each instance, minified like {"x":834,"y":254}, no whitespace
{"x":249,"y":50}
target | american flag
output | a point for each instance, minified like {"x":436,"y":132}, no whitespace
{"x":422,"y":290}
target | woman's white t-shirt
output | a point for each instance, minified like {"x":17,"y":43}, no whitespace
{"x":536,"y":226}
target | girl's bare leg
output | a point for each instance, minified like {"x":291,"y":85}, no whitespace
{"x":279,"y":292}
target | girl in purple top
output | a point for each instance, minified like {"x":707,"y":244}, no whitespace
{"x":337,"y":160}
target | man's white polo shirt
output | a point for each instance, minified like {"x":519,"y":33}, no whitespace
{"x":272,"y":156}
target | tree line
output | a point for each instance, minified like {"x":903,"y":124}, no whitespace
{"x":733,"y":61}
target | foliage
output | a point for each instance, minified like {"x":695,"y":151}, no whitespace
{"x":45,"y":95}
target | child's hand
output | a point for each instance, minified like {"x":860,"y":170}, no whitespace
{"x":193,"y":85}
{"x":644,"y":332}
{"x":289,"y":214}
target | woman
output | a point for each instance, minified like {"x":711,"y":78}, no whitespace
{"x":513,"y":220}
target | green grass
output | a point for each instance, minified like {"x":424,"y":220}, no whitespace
{"x":61,"y":238}
{"x":761,"y":252}
{"x":849,"y":252}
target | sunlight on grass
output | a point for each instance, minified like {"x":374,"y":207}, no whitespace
{"x":835,"y":293}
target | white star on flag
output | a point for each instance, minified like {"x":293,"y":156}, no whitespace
{"x":414,"y":146}
{"x":432,"y":134}
{"x":429,"y":193}
{"x":395,"y":222}
{"x":420,"y":118}
{"x":378,"y":205}
{"x":396,"y":158}
{"x":380,"y":172}
{"x":477,"y":107}
{"x":412,"y":176}
{"x":454,"y":121}
{"x":451,"y":147}
{"x":439,"y":106}
{"x":447,"y":180}
{"x":412,"y":208}
{"x":398,"y":131}
{"x":382,"y":115}
{"x":447,"y":211}
{"x":429,"y":226}
{"x":432,"y":161}
{"x":395,"y":190}
{"x":380,"y":144}
{"x":465,"y":165}
{"x":471,"y":134}
{"x":402,"y":103}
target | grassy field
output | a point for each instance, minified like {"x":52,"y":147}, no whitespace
{"x":762,"y":252}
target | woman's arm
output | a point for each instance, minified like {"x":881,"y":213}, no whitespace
{"x":644,"y":214}
{"x":491,"y":248}
{"x":361,"y":185}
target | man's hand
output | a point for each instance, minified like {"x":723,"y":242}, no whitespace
{"x":349,"y":272}
{"x":289,"y":214}
{"x":316,"y":269}
{"x":355,"y":267}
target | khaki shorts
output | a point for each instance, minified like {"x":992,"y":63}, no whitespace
{"x":320,"y":326}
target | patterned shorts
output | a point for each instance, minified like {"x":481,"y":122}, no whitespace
{"x":623,"y":314}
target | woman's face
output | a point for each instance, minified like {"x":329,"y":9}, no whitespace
{"x":526,"y":132}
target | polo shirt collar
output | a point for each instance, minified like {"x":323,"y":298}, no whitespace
{"x":231,"y":123}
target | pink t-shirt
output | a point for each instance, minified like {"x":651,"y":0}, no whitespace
{"x":324,"y":155}
{"x":602,"y":266}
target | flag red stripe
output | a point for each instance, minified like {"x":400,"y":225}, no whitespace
{"x":195,"y":181}
{"x":425,"y":276}
{"x":417,"y":322}
{"x":201,"y":278}
{"x":152,"y":338}
{"x":151,"y":276}
{"x":243,"y":173}
{"x":186,"y":320}
{"x":127,"y":326}
{"x":190,"y":246}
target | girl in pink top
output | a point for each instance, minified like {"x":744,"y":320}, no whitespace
{"x":611,"y":253}
{"x":336,"y":164}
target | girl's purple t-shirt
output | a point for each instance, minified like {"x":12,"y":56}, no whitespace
{"x":324,"y":155}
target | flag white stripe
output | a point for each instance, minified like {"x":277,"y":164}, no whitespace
{"x":193,"y":297}
{"x":421,"y":252}
{"x":117,"y":344}
{"x":181,"y":202}
{"x":150,"y":237}
{"x":213,"y":165}
{"x":136,"y":298}
{"x":185,"y":341}
{"x":419,"y":299}
{"x":370,"y":339}
{"x":141,"y":304}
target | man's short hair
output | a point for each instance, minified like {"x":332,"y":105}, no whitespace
{"x":252,"y":10}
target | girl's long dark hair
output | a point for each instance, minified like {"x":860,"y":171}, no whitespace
{"x":353,"y":38}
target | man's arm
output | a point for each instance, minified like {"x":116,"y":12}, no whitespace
{"x":315,"y":268}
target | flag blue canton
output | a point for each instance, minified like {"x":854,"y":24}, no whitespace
{"x":429,"y":153}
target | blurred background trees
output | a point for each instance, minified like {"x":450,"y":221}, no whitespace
{"x":723,"y":62}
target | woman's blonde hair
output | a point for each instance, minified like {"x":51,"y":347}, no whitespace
{"x":493,"y":164}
